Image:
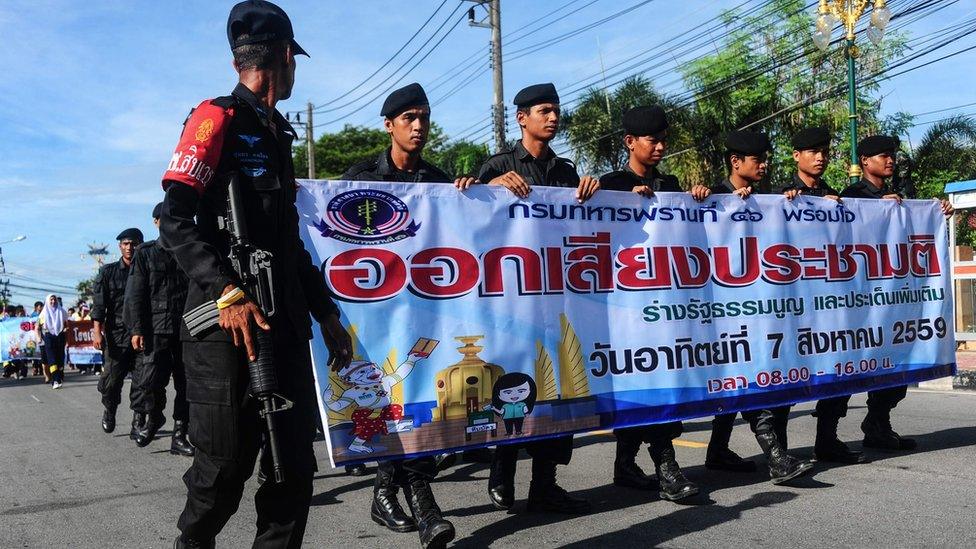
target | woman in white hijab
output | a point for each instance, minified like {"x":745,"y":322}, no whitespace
{"x":52,"y":322}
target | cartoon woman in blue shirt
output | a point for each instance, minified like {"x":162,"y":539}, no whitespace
{"x":513,"y":398}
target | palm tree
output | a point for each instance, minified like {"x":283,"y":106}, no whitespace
{"x":946,"y":153}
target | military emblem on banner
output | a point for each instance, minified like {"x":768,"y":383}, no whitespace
{"x":367,"y":216}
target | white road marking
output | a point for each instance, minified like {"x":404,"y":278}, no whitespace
{"x":35,"y":398}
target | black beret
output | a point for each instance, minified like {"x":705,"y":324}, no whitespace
{"x":535,"y":94}
{"x":645,"y":121}
{"x":158,"y":211}
{"x":411,"y":95}
{"x":747,"y":143}
{"x":260,"y":21}
{"x":131,"y":234}
{"x":876,"y":144}
{"x":811,"y":138}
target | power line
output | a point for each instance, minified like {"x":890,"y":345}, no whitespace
{"x":528,"y":50}
{"x":447,"y":20}
{"x":388,"y":61}
{"x":398,"y":80}
{"x":897,"y":64}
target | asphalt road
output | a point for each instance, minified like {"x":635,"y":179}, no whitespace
{"x":64,"y":483}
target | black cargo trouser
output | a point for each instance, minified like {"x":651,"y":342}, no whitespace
{"x":119,"y":361}
{"x":400,"y":470}
{"x":650,"y":434}
{"x":228,"y":433}
{"x":767,"y":419}
{"x":162,"y":358}
{"x":882,"y":401}
{"x":545,"y":454}
{"x":834,"y":407}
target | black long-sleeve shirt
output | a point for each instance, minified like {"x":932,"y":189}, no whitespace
{"x":155,"y":293}
{"x":107,"y":301}
{"x":224,"y":137}
{"x":547,"y":171}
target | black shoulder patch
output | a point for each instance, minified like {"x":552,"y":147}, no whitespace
{"x":225,"y":101}
{"x":620,"y":180}
{"x":360,"y":167}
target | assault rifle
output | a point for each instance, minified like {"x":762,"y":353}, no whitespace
{"x":253,"y":268}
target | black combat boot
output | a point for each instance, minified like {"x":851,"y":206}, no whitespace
{"x":182,"y":543}
{"x":150,"y":427}
{"x":444,"y":462}
{"x":720,"y":457}
{"x":180,"y":446}
{"x":138,"y":422}
{"x":357,"y":470}
{"x":830,"y":448}
{"x":108,"y":420}
{"x":435,"y":532}
{"x":547,"y":496}
{"x":879,"y":434}
{"x":386,"y":510}
{"x":782,"y":466}
{"x":674,"y":485}
{"x":501,"y":483}
{"x":626,"y":472}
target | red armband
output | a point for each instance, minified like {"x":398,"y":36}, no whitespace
{"x":195,"y":161}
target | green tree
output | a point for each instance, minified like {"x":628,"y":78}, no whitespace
{"x":767,"y":76}
{"x":336,"y":152}
{"x":459,"y":158}
{"x":86,"y":289}
{"x":593,"y":128}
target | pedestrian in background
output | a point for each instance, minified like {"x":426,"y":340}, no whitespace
{"x":51,"y":326}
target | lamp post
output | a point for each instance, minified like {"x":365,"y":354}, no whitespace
{"x":4,"y":284}
{"x":847,"y":12}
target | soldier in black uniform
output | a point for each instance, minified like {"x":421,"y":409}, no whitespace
{"x":406,"y":114}
{"x":811,"y":151}
{"x":154,"y":299}
{"x":111,"y":336}
{"x":877,"y":158}
{"x":646,"y":137}
{"x":532,"y":162}
{"x":243,"y":136}
{"x":746,"y":158}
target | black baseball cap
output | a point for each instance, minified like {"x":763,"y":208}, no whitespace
{"x":260,"y":21}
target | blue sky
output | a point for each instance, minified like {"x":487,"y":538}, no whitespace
{"x":94,"y":93}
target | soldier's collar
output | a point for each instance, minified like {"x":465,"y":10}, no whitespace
{"x":525,"y":155}
{"x":385,"y":164}
{"x":801,"y":185}
{"x":876,"y":191}
{"x":243,"y":93}
{"x":651,"y":174}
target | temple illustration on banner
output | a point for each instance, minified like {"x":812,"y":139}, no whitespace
{"x":469,"y":404}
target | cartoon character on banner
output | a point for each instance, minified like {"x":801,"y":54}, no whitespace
{"x":512,"y":398}
{"x":369,"y":390}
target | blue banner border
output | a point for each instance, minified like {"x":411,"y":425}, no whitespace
{"x":771,"y":398}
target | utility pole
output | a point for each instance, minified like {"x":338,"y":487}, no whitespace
{"x":310,"y":143}
{"x":498,"y":101}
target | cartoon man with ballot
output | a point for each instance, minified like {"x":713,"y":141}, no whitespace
{"x":369,"y":390}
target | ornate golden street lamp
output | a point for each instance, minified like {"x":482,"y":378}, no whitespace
{"x":847,"y":12}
